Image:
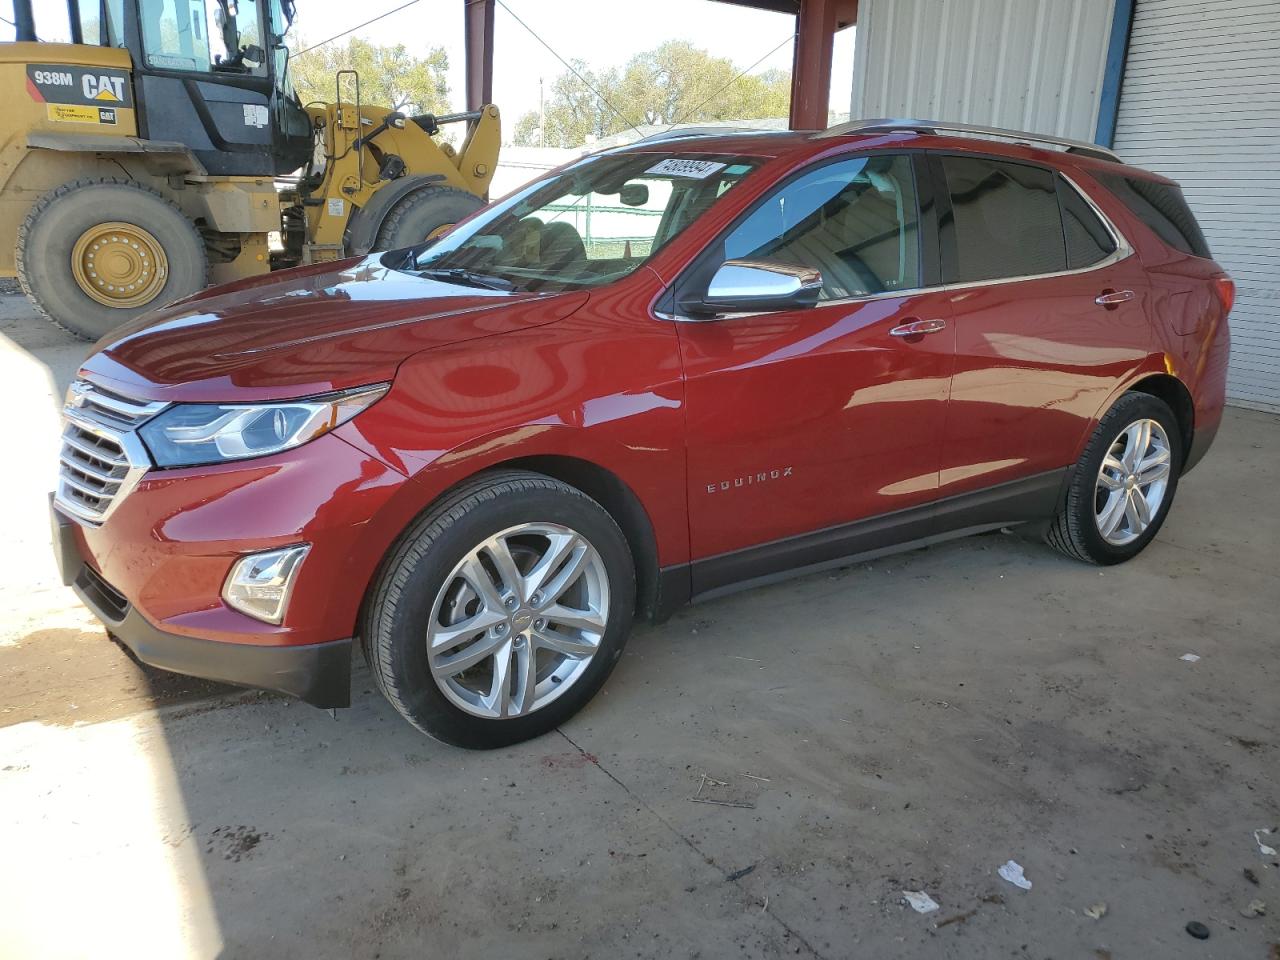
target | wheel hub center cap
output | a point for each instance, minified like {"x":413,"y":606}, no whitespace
{"x":521,"y":619}
{"x":1130,"y":482}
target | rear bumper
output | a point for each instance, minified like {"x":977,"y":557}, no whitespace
{"x":318,"y":673}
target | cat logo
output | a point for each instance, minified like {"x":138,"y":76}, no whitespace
{"x":106,"y":88}
{"x":60,"y":85}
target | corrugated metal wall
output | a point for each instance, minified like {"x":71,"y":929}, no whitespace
{"x":1026,"y":64}
{"x":1201,"y":103}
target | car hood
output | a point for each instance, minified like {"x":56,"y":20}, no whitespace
{"x":305,"y":331}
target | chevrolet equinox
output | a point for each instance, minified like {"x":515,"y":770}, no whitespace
{"x":657,"y":374}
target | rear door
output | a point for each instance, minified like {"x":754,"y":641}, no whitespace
{"x":805,"y":420}
{"x":1048,"y":305}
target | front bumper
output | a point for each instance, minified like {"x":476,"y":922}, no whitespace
{"x":318,"y":673}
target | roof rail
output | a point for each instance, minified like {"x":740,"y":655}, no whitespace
{"x":942,"y":127}
{"x":681,"y":133}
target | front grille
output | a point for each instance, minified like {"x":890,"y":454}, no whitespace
{"x":109,"y":408}
{"x":92,"y":467}
{"x":101,"y":457}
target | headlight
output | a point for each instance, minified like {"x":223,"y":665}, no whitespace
{"x":191,"y":434}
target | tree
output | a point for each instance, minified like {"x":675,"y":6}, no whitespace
{"x":673,"y":83}
{"x":575,"y":111}
{"x":389,"y":76}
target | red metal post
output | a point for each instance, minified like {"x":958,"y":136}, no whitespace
{"x":811,"y":67}
{"x":479,"y":43}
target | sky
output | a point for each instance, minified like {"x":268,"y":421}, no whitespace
{"x":602,"y":33}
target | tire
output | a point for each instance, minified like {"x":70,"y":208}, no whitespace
{"x":1078,"y":528}
{"x":420,"y":588}
{"x":412,"y":220}
{"x":66,"y":217}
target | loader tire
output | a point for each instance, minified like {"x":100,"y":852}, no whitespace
{"x":424,"y":215}
{"x":97,"y":252}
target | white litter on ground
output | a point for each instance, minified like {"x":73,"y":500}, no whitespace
{"x":1012,"y":871}
{"x":1189,"y":657}
{"x":920,"y":901}
{"x":1263,"y":849}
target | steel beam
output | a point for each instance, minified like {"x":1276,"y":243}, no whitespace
{"x":479,"y":50}
{"x":811,"y":64}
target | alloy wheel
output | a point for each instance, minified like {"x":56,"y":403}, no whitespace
{"x":1132,"y":482}
{"x":518,"y":621}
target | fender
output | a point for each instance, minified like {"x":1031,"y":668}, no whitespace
{"x":432,"y":481}
{"x":1153,"y":365}
{"x":362,"y":228}
{"x":161,"y":157}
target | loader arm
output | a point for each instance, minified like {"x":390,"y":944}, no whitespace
{"x":478,"y":157}
{"x":367,"y":149}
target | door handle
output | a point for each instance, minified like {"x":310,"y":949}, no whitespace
{"x":1113,"y":298}
{"x":918,"y":328}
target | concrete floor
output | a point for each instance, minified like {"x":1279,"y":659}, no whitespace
{"x":909,"y":724}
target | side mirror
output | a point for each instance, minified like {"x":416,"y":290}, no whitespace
{"x":634,"y":194}
{"x":749,"y":286}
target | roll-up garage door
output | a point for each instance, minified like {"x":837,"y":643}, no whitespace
{"x":1200,"y":103}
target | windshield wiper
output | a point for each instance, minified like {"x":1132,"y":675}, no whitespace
{"x":473,"y":277}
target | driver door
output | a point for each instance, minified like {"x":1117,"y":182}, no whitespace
{"x":203,"y":78}
{"x":804,"y":424}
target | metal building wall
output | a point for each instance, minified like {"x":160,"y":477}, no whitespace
{"x":1026,"y":64}
{"x":1200,"y":103}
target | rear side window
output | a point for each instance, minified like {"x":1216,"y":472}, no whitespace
{"x":1006,"y":220}
{"x":1161,"y":207}
{"x":1088,"y":240}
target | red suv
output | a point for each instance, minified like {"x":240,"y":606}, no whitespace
{"x":660,"y":373}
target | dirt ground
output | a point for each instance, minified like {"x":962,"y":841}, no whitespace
{"x":905,"y":725}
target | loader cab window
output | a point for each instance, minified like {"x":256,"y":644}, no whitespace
{"x":204,"y":36}
{"x":279,"y":19}
{"x":97,"y":31}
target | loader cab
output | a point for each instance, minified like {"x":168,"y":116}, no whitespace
{"x":211,"y":74}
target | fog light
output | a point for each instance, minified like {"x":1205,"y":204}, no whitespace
{"x":259,"y":584}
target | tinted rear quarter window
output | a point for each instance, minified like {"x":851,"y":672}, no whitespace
{"x":1006,"y":220}
{"x":1162,"y":207}
{"x":1088,"y":240}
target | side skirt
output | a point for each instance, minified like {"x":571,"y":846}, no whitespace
{"x":1018,"y":501}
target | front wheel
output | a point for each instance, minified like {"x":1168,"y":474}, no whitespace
{"x":100,"y":251}
{"x":424,"y":215}
{"x":502,"y":611}
{"x":1123,"y":485}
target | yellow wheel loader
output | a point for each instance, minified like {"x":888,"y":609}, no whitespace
{"x":144,"y":159}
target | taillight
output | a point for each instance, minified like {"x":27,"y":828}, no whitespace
{"x":1226,"y":288}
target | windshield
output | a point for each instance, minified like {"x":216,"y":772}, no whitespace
{"x":592,"y":224}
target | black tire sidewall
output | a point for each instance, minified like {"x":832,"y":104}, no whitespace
{"x":54,"y":230}
{"x":412,"y":219}
{"x":421,"y":700}
{"x":1129,"y":408}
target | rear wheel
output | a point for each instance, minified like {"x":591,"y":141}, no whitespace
{"x":1123,"y":485}
{"x":97,"y":252}
{"x":502,"y":611}
{"x":424,"y":215}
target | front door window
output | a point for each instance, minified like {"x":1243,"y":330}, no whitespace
{"x":854,"y":220}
